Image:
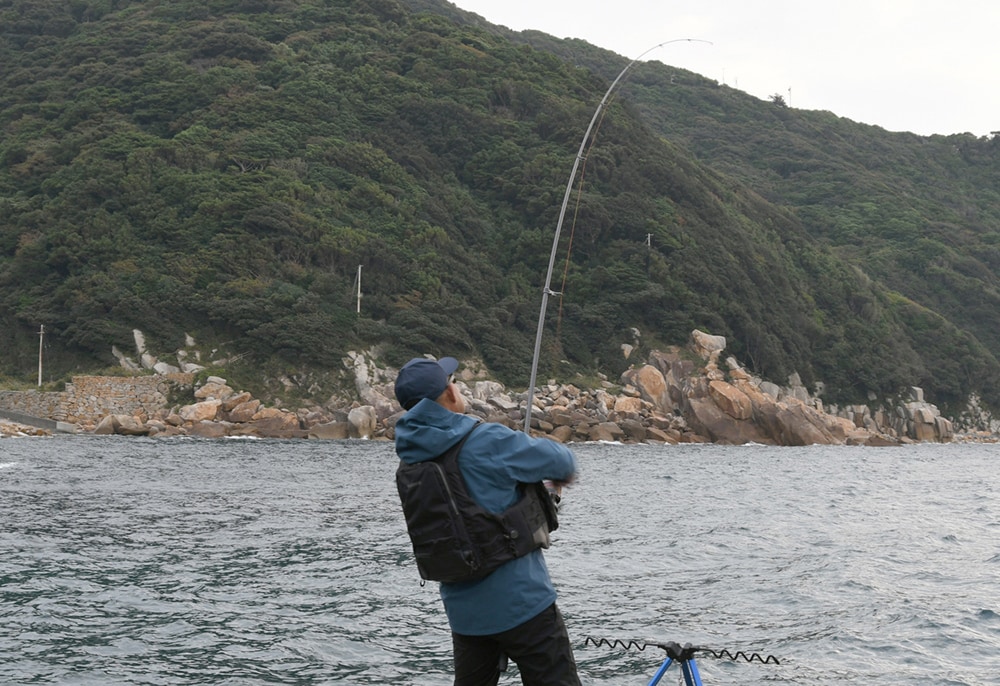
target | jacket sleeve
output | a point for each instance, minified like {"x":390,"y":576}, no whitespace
{"x":528,"y":459}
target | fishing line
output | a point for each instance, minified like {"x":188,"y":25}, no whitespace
{"x":576,"y":215}
{"x":547,"y":290}
{"x":579,"y":202}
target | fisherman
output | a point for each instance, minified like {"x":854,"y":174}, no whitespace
{"x":511,"y":612}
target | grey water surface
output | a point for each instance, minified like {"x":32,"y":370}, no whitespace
{"x":184,"y":561}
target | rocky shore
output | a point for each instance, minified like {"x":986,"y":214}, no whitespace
{"x":680,"y":395}
{"x":13,"y":429}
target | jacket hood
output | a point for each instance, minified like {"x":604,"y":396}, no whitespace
{"x":428,"y":430}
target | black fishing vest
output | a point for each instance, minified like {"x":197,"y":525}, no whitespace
{"x":454,"y":539}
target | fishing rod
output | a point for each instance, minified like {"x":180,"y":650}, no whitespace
{"x":546,"y":290}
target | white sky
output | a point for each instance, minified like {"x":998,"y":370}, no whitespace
{"x":926,"y":66}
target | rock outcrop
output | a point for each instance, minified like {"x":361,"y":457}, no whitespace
{"x":677,"y":395}
{"x":13,"y":429}
{"x":732,"y":406}
{"x":218,"y":411}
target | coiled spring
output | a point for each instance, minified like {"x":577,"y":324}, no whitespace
{"x":686,"y":652}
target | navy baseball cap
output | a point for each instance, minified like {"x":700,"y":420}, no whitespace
{"x":422,"y":378}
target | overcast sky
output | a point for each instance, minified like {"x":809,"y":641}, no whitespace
{"x":926,"y":66}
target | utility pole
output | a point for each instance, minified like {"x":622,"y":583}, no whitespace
{"x":41,"y":337}
{"x":359,"y":289}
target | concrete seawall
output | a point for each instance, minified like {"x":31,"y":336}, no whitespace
{"x":37,"y":422}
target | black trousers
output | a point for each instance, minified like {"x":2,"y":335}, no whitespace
{"x":540,"y":647}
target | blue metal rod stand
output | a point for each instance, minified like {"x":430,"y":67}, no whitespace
{"x":685,"y":658}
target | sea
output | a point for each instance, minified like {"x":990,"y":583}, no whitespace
{"x":131,"y":560}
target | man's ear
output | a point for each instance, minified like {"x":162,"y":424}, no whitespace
{"x":447,"y":398}
{"x":451,"y":398}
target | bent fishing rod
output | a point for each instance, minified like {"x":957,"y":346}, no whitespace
{"x":547,"y":290}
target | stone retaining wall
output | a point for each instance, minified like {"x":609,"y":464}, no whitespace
{"x":88,"y":399}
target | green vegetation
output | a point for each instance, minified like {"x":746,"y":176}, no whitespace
{"x":222,"y":168}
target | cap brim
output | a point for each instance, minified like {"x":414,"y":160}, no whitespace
{"x":448,"y":364}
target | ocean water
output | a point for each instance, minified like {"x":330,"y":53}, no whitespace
{"x":185,"y":561}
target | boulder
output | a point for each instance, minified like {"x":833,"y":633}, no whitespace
{"x":772,"y":389}
{"x":560,"y":416}
{"x":562,"y":434}
{"x":279,"y":421}
{"x":169,"y":431}
{"x":140,"y":341}
{"x":655,"y":435}
{"x":652,"y":386}
{"x":793,"y":423}
{"x":235,"y":399}
{"x":731,"y":400}
{"x":131,"y":426}
{"x":204,"y":411}
{"x":708,"y":419}
{"x":209,"y":429}
{"x":367,"y":383}
{"x":875,"y":441}
{"x":606,"y":431}
{"x":245,"y":411}
{"x":362,"y":421}
{"x":268,"y":413}
{"x":503,"y":403}
{"x":706,"y":346}
{"x":692,"y":437}
{"x":213,"y":390}
{"x":841,"y":428}
{"x":923,"y":431}
{"x":634,"y":430}
{"x":383,"y":406}
{"x":477,"y":407}
{"x":285,"y":425}
{"x":155,"y":427}
{"x":330,"y":431}
{"x":625,"y":404}
{"x":107,"y":426}
{"x":945,"y":429}
{"x":311,"y":417}
{"x":484,"y":390}
{"x":121,"y":424}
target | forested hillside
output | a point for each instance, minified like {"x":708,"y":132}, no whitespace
{"x":223,"y":168}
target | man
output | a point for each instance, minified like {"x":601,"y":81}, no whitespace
{"x":511,"y":611}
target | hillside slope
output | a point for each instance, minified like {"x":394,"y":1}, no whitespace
{"x":223,"y":169}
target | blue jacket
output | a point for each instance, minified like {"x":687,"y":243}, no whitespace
{"x":492,"y":461}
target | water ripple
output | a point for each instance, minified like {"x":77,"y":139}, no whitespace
{"x":286,"y":562}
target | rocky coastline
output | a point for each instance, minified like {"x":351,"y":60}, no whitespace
{"x":680,"y":395}
{"x":10,"y":429}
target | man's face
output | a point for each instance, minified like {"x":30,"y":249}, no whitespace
{"x":460,"y":404}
